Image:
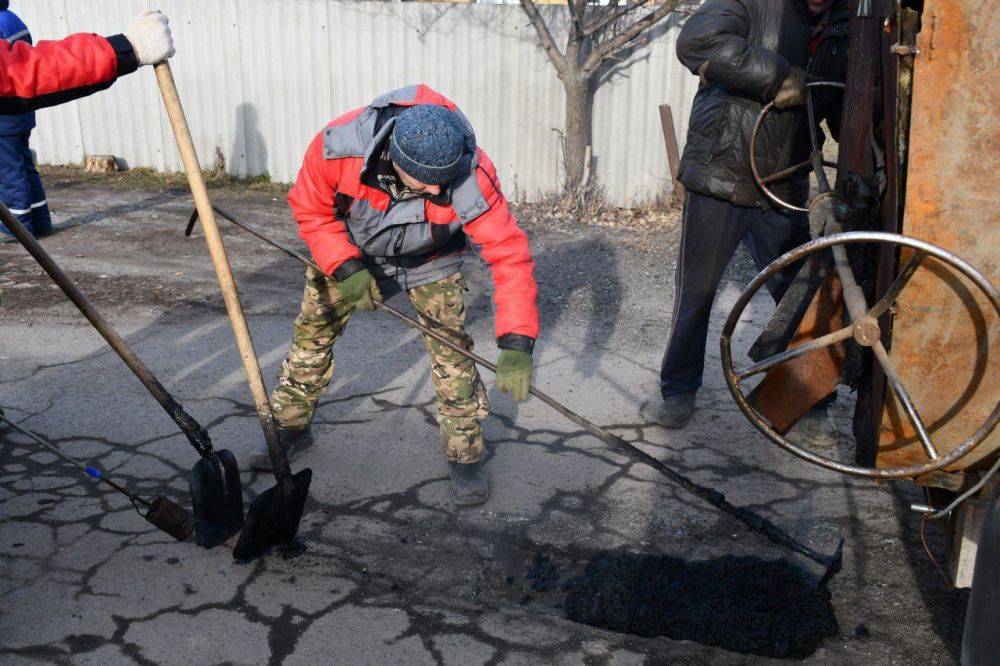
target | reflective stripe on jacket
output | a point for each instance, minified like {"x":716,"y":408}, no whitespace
{"x":341,"y":217}
{"x":12,"y":29}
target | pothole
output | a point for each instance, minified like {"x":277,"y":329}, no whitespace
{"x":742,"y":604}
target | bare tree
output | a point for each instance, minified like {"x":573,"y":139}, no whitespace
{"x":597,"y":38}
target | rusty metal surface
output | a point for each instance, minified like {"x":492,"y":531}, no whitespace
{"x":946,"y":339}
{"x":791,"y":389}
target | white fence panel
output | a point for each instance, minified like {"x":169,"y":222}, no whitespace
{"x":123,"y":120}
{"x":259,"y":78}
{"x":285,"y":104}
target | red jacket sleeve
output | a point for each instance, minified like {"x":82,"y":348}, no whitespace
{"x":504,"y":247}
{"x":312,"y":204}
{"x":53,"y":72}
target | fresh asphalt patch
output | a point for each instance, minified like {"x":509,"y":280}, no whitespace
{"x":742,"y":604}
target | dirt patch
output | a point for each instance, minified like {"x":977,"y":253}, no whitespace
{"x":71,"y":176}
{"x":741,"y":604}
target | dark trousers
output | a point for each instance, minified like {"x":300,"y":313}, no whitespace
{"x":20,"y":185}
{"x":710,"y":232}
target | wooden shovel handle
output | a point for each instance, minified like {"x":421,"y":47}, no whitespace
{"x":223,"y":271}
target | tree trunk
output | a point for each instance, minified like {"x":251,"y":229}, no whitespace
{"x":578,"y":102}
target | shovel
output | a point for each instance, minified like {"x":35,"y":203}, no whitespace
{"x":165,"y":515}
{"x":216,"y":494}
{"x":828,"y":564}
{"x":273,"y":518}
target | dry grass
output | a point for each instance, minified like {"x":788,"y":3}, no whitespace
{"x":149,"y":178}
{"x":562,"y":209}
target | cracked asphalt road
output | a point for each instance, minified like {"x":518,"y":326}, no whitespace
{"x":391,"y":573}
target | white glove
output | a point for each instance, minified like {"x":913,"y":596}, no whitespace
{"x":150,"y":37}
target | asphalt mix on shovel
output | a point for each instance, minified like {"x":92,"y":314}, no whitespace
{"x":746,"y":605}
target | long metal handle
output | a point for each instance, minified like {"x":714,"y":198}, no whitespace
{"x":91,"y":471}
{"x":752,"y":520}
{"x":197,"y":435}
{"x":223,"y":271}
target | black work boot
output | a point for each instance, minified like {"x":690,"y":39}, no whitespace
{"x":673,"y":412}
{"x":469,"y":485}
{"x":295,"y":441}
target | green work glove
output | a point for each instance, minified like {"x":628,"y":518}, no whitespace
{"x":514,"y":373}
{"x":360,"y":291}
{"x":793,"y":89}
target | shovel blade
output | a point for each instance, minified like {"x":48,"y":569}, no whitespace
{"x":217,"y":498}
{"x":273,"y":518}
{"x":172,"y":518}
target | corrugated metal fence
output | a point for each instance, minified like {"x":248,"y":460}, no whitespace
{"x":259,"y":78}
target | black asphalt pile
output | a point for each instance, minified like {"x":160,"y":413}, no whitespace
{"x":741,"y":604}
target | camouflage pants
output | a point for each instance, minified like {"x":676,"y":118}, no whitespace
{"x":308,"y":367}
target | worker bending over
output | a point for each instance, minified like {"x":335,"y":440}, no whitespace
{"x":395,"y":191}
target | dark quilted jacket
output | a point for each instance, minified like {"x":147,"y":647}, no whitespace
{"x":749,"y":46}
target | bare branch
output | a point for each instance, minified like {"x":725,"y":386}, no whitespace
{"x":598,"y":24}
{"x":608,"y":48}
{"x":577,"y":9}
{"x":544,"y":36}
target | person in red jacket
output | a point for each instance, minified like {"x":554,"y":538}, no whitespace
{"x":393,"y":192}
{"x":53,"y":72}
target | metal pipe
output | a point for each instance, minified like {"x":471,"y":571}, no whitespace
{"x":882,"y":356}
{"x":857,"y":308}
{"x":943,"y":513}
{"x":795,"y":352}
{"x":897,"y":286}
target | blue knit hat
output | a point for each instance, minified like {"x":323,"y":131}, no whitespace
{"x":427,"y":143}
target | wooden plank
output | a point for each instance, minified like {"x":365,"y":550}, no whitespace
{"x":673,"y":154}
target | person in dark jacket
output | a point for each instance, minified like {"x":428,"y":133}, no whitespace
{"x":747,"y":53}
{"x":20,"y":185}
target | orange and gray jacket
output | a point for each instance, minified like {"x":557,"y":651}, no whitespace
{"x":349,"y":222}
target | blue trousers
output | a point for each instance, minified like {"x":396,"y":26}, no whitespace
{"x":711,"y":230}
{"x":20,"y":185}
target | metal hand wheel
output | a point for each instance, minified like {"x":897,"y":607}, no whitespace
{"x":815,"y":161}
{"x":864,"y":329}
